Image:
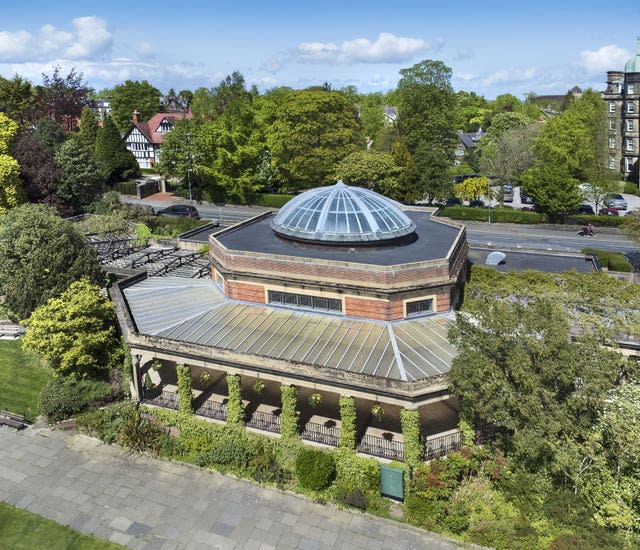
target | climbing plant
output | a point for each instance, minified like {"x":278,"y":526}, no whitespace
{"x":348,"y":423}
{"x":185,"y":396}
{"x":413,"y":452}
{"x":289,"y":417}
{"x":235,"y":408}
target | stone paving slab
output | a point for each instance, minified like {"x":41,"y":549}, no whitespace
{"x":143,"y":503}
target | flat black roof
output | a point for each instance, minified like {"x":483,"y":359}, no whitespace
{"x":540,"y":261}
{"x":433,"y":241}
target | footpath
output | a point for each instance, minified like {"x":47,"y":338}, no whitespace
{"x":141,"y":502}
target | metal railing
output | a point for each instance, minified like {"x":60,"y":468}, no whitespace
{"x":381,"y":447}
{"x":329,"y":435}
{"x":168,"y":399}
{"x":211,"y":409}
{"x":442,"y":445}
{"x":264,"y":421}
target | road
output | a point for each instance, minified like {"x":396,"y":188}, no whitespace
{"x":535,"y":237}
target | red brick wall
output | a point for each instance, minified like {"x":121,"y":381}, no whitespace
{"x":244,"y":291}
{"x":379,"y":310}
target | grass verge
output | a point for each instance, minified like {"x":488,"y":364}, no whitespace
{"x":22,"y":530}
{"x":22,"y":376}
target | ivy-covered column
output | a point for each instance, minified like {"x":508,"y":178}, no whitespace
{"x":347,"y":423}
{"x":185,"y":395}
{"x":235,"y":408}
{"x":288,"y":417}
{"x":413,"y":450}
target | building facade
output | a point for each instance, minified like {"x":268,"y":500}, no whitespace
{"x":622,"y":97}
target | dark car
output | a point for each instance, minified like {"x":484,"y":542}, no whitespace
{"x":477,"y":203}
{"x":585,"y":209}
{"x":609,"y":212}
{"x":180,"y":211}
{"x":524,"y":198}
{"x":453,"y":201}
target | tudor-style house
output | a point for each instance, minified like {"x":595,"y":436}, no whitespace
{"x":145,"y":138}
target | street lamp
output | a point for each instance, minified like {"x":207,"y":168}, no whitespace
{"x":188,"y":138}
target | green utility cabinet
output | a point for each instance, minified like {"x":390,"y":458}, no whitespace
{"x":392,"y":482}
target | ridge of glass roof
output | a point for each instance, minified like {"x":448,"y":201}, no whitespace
{"x":343,"y":214}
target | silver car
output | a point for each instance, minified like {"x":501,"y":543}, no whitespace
{"x":616,"y":200}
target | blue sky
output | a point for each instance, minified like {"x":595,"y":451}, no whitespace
{"x":492,"y":47}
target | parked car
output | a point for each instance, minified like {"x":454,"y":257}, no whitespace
{"x":585,"y":209}
{"x":477,"y":203}
{"x":507,"y":192}
{"x":609,"y":212}
{"x":524,"y":198}
{"x":453,"y":201}
{"x":616,"y":200}
{"x":180,"y":211}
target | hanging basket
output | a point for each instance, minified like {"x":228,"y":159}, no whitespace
{"x":258,"y":386}
{"x":314,"y":400}
{"x":156,"y":365}
{"x":377,"y":411}
{"x":205,"y":378}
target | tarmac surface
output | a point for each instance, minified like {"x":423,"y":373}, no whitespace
{"x":141,"y":502}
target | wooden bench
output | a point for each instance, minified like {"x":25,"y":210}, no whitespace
{"x":11,"y":331}
{"x":12,"y":419}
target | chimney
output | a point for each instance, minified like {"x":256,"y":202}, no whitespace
{"x":135,"y":116}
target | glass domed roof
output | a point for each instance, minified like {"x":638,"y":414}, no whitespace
{"x":342,"y":214}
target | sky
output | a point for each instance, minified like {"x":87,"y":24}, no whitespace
{"x":492,"y":47}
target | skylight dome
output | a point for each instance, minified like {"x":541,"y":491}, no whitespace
{"x":342,"y":214}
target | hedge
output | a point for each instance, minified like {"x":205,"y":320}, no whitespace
{"x":126,"y":187}
{"x":347,"y":423}
{"x":62,"y":398}
{"x":289,"y":417}
{"x":613,"y":261}
{"x":413,"y":450}
{"x":498,"y":214}
{"x":235,"y":408}
{"x":185,"y":395}
{"x":270,"y":200}
{"x":600,"y":221}
{"x":315,"y":469}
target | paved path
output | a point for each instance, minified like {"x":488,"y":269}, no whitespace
{"x":144,"y":503}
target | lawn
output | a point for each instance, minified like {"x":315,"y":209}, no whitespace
{"x":22,"y":376}
{"x":22,"y":530}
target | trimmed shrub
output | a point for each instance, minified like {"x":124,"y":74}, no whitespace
{"x":348,"y":423}
{"x":126,"y":187}
{"x":289,"y":417}
{"x":631,"y":188}
{"x":598,"y":221}
{"x":611,"y":260}
{"x":235,"y":408}
{"x":270,"y":200}
{"x":413,"y":449}
{"x":356,"y":471}
{"x":62,"y":398}
{"x":185,"y":395}
{"x":351,"y":496}
{"x":499,"y":214}
{"x":105,"y":423}
{"x":233,"y":448}
{"x":315,"y":469}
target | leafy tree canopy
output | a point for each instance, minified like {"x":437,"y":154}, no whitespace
{"x":370,"y":169}
{"x":74,"y":332}
{"x":40,"y":255}
{"x":16,"y":97}
{"x":62,"y":98}
{"x":8,"y":130}
{"x":134,"y":96}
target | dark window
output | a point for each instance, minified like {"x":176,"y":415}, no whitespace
{"x":305,"y":301}
{"x":419,"y":307}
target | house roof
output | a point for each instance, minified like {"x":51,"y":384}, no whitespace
{"x":150,"y":127}
{"x":196,"y":311}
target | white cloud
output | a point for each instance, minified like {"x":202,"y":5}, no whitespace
{"x":607,"y":58}
{"x":88,"y":39}
{"x":388,"y":48}
{"x":145,"y":50}
{"x":511,"y":75}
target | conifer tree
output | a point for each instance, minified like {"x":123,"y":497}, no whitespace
{"x":112,"y":155}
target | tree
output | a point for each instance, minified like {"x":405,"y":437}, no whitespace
{"x":39,"y":172}
{"x":40,"y":255}
{"x":10,"y":189}
{"x":82,"y":179}
{"x":370,"y":169}
{"x":74,"y":332}
{"x":88,"y":129}
{"x":426,"y":123}
{"x":405,"y":190}
{"x":49,"y":133}
{"x":16,"y":98}
{"x":62,"y":98}
{"x":112,"y":155}
{"x":470,"y":111}
{"x":8,"y":130}
{"x":472,"y":188}
{"x":312,"y":131}
{"x":134,"y":96}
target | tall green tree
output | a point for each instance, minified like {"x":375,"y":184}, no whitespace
{"x":40,"y":255}
{"x":75,"y":332}
{"x":112,"y":155}
{"x":426,"y":122}
{"x":470,"y":111}
{"x":10,"y":189}
{"x":312,"y":131}
{"x":405,"y":190}
{"x":82,"y":179}
{"x":16,"y":98}
{"x":88,"y":128}
{"x":371,"y":169}
{"x":133,"y":96}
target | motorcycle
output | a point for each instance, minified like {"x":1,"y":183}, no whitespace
{"x":586,"y":232}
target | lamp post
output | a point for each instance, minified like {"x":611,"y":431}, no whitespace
{"x":188,"y":138}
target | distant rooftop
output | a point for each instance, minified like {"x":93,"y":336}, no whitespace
{"x":540,"y":261}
